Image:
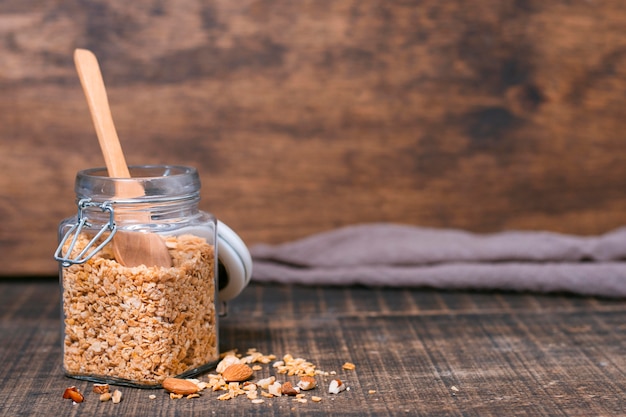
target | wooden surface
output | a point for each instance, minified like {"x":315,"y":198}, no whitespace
{"x":304,"y":116}
{"x":424,"y":353}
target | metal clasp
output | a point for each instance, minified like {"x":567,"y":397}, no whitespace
{"x":75,"y":230}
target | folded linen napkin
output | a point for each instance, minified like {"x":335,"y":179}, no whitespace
{"x":384,"y":254}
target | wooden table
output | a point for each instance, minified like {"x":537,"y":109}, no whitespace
{"x":417,"y":352}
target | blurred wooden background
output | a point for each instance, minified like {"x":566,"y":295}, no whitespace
{"x":303,"y":116}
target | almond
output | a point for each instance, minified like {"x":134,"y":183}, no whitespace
{"x":73,"y":394}
{"x":238,"y":372}
{"x":180,"y":386}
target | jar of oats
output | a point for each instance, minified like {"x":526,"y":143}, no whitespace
{"x":139,"y":324}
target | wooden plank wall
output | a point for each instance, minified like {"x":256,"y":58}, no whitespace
{"x":303,"y":116}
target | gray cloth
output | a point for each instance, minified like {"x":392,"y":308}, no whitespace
{"x":395,"y":255}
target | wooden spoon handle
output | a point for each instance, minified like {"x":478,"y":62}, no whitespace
{"x":95,"y":92}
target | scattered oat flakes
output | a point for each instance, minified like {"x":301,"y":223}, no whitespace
{"x":175,"y":396}
{"x":258,"y":401}
{"x":348,"y":366}
{"x":152,"y":396}
{"x":316,"y":399}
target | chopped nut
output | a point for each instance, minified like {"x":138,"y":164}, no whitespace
{"x":73,"y":394}
{"x":152,"y":396}
{"x":306,"y":383}
{"x":226,"y":362}
{"x":336,"y":386}
{"x":100,"y":388}
{"x":316,"y":399}
{"x":275,"y":389}
{"x":257,"y":367}
{"x":266,"y":382}
{"x":174,"y":396}
{"x":190,"y":396}
{"x":258,"y":401}
{"x":225,"y":397}
{"x":238,"y":372}
{"x":372,"y":391}
{"x":349,"y":366}
{"x":289,"y":389}
{"x":266,"y":394}
{"x":106,"y":396}
{"x":117,"y":396}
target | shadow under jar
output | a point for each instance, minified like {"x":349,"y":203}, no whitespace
{"x":138,"y":325}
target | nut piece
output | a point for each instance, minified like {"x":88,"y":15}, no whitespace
{"x":266,"y":382}
{"x":105,"y":396}
{"x":100,"y":388}
{"x":73,"y":394}
{"x":179,"y":386}
{"x":117,"y":396}
{"x":336,"y":386}
{"x":306,"y":383}
{"x":289,"y":389}
{"x":226,"y":362}
{"x":275,"y":389}
{"x":238,"y":372}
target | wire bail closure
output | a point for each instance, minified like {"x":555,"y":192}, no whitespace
{"x":84,"y":255}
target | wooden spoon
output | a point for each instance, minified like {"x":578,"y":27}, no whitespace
{"x":129,"y":248}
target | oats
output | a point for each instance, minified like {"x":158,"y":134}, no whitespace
{"x":140,"y":324}
{"x":349,"y":366}
{"x":316,"y":399}
{"x":258,"y":401}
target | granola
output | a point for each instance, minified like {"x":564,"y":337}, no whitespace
{"x":140,"y":324}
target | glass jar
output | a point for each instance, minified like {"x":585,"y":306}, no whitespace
{"x":137,"y":325}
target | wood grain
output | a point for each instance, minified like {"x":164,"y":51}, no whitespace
{"x":304,"y":116}
{"x":417,"y":352}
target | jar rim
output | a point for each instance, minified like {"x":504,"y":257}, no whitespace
{"x":158,"y":182}
{"x":146,"y":171}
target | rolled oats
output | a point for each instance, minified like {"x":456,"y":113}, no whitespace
{"x":140,"y":324}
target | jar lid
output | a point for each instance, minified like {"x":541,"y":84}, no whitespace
{"x":235,"y":263}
